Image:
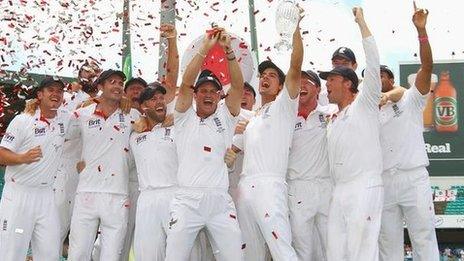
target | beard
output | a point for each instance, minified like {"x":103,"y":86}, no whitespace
{"x":153,"y":115}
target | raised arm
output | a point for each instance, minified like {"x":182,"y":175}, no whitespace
{"x":185,"y":97}
{"x":372,"y":85}
{"x":293,"y":78}
{"x":234,"y":95}
{"x":425,"y":71}
{"x":169,"y":32}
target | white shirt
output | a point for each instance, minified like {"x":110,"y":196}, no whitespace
{"x":353,"y":135}
{"x":308,"y":157}
{"x":268,"y":137}
{"x":155,"y":157}
{"x":403,"y":145}
{"x":105,"y":149}
{"x":72,"y":148}
{"x":236,"y":170}
{"x":201,"y":146}
{"x":28,"y":131}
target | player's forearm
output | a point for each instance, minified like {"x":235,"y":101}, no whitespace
{"x":293,"y":79}
{"x":234,"y":95}
{"x":364,"y":29}
{"x":172,"y":63}
{"x":191,"y":72}
{"x":425,"y":51}
{"x":9,"y":158}
{"x":395,"y":94}
{"x":297,"y":52}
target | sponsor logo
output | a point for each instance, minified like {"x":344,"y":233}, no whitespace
{"x":446,"y":111}
{"x":39,"y":131}
{"x":8,"y":138}
{"x":141,"y":139}
{"x":438,"y":149}
{"x":298,"y":125}
{"x":94,"y":123}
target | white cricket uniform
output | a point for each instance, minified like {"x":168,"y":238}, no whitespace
{"x":408,"y":194}
{"x":355,"y":161}
{"x":263,"y":197}
{"x":236,"y":169}
{"x":102,"y":193}
{"x":67,"y":178}
{"x":27,"y":208}
{"x":202,"y":200}
{"x":156,"y":160}
{"x":309,"y":185}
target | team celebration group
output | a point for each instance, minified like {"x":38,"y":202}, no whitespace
{"x":193,"y":173}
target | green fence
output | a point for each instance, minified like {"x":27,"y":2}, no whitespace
{"x":2,"y":180}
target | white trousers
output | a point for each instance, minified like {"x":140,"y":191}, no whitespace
{"x":65,"y":186}
{"x":129,"y":238}
{"x":152,"y":221}
{"x":354,"y":221}
{"x":264,"y":218}
{"x":193,"y":209}
{"x":28,"y":215}
{"x":408,"y":197}
{"x":92,"y":210}
{"x":308,"y":203}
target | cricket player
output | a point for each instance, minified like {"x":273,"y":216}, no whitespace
{"x":262,"y":201}
{"x":407,"y":185}
{"x":154,"y":151}
{"x":308,"y":176}
{"x":355,"y":158}
{"x":202,"y":138}
{"x":102,"y":192}
{"x":234,"y":160}
{"x":30,"y":148}
{"x":67,"y":178}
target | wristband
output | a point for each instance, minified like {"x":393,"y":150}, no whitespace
{"x":423,"y":39}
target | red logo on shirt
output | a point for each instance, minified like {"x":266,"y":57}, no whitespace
{"x":207,"y":149}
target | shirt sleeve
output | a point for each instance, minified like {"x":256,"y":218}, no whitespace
{"x":74,"y":129}
{"x":369,"y":95}
{"x":14,"y":136}
{"x":286,"y":103}
{"x":181,"y":118}
{"x":416,"y":100}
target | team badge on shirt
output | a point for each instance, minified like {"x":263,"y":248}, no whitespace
{"x":218,"y":123}
{"x":323,"y":120}
{"x":396,"y":110}
{"x":167,"y":134}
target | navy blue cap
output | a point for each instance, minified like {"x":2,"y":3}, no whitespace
{"x":342,"y":71}
{"x":385,"y":69}
{"x":248,"y":86}
{"x":150,"y":91}
{"x":344,"y":52}
{"x":312,"y":76}
{"x":107,"y":74}
{"x":269,"y":64}
{"x":135,"y":80}
{"x":207,"y":76}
